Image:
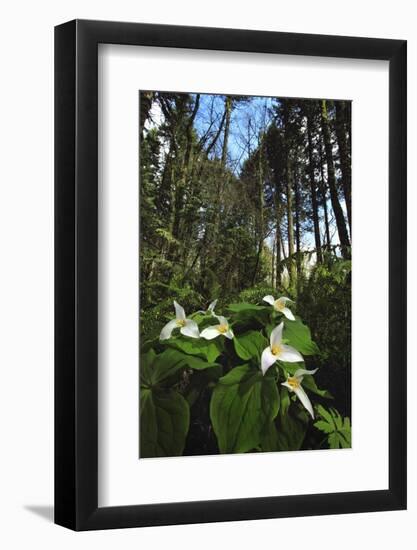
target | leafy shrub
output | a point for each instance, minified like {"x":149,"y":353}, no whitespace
{"x":255,"y":294}
{"x":153,"y":317}
{"x":325,"y":305}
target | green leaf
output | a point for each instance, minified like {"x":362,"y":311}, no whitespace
{"x":291,"y":428}
{"x":325,"y":414}
{"x":164,"y":423}
{"x":250,"y":345}
{"x":333,"y":440}
{"x":146,"y":362}
{"x":242,"y":306}
{"x":310,"y":384}
{"x":192,"y":346}
{"x":337,"y":428}
{"x":324,"y":426}
{"x":248,"y":313}
{"x":345,"y":439}
{"x":166,"y":364}
{"x":269,"y":438}
{"x":156,"y":368}
{"x":196,"y":363}
{"x":285,"y":400}
{"x":298,"y":335}
{"x":243,"y":403}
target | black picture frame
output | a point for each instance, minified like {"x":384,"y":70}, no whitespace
{"x":76,"y":271}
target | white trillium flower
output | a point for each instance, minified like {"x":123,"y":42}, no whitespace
{"x":293,"y":383}
{"x":280,"y":305}
{"x":188,"y":327}
{"x":278,"y":351}
{"x":210,"y":309}
{"x":214,"y":331}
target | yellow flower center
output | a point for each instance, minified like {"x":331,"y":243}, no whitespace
{"x":222,"y":328}
{"x":279,"y":304}
{"x":276,"y":350}
{"x":181,"y":322}
{"x":293,"y":382}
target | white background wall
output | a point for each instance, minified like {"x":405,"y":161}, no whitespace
{"x":26,"y":272}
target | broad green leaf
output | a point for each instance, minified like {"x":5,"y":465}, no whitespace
{"x":148,"y":344}
{"x":250,"y":345}
{"x":196,"y":363}
{"x":156,"y":368}
{"x":206,"y":349}
{"x":291,"y":428}
{"x":287,"y":432}
{"x":146,"y":362}
{"x":243,"y":403}
{"x":298,"y":335}
{"x":269,"y":438}
{"x":243,"y":313}
{"x":164,"y":423}
{"x":285,"y":400}
{"x":166,"y":364}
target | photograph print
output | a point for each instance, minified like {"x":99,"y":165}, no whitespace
{"x":245,"y":274}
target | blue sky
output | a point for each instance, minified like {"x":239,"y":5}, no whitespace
{"x":246,"y":120}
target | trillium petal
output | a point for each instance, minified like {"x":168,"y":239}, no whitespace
{"x":267,"y":359}
{"x":302,"y":396}
{"x":269,"y":299}
{"x":167,"y":330}
{"x":289,"y":354}
{"x":285,"y":299}
{"x":212,"y":306}
{"x":286,"y":385}
{"x":302,"y":372}
{"x":288,"y":313}
{"x":229,"y":334}
{"x":276,"y":335}
{"x":190,"y":329}
{"x":222,"y":320}
{"x":209,"y":333}
{"x":179,"y":311}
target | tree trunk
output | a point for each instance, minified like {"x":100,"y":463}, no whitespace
{"x":228,"y":112}
{"x":277,"y":203}
{"x":323,"y":193}
{"x":314,"y":193}
{"x":260,"y":182}
{"x":288,"y":190}
{"x":344,"y":158}
{"x":297,"y":227}
{"x":184,"y":168}
{"x":331,"y":179}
